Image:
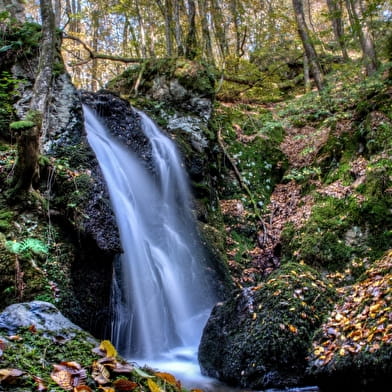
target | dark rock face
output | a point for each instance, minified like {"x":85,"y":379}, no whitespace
{"x":259,"y":338}
{"x":122,"y":121}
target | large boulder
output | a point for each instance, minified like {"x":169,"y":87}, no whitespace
{"x":353,"y":348}
{"x":42,"y":315}
{"x":260,"y":337}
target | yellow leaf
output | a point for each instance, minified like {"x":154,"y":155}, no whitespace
{"x":108,"y":347}
{"x":342,"y":352}
{"x":107,"y":389}
{"x":292,"y":328}
{"x":154,"y":387}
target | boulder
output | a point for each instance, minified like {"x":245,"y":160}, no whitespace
{"x":42,"y":315}
{"x":260,"y":337}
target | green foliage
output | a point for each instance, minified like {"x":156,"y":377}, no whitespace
{"x":6,"y":217}
{"x":20,"y":125}
{"x":27,"y":247}
{"x":253,"y":142}
{"x":8,"y":85}
{"x":21,"y":40}
{"x":36,"y":352}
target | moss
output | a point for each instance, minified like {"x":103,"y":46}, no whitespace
{"x":267,"y":329}
{"x":20,"y":125}
{"x":35,"y":353}
{"x":6,"y":217}
{"x":194,"y":76}
{"x":321,"y":241}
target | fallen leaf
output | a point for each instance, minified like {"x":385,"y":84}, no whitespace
{"x":32,"y":329}
{"x":293,"y":329}
{"x":108,"y":348}
{"x":9,"y":375}
{"x":41,"y":385}
{"x":100,"y":374}
{"x":154,"y":387}
{"x":68,"y":375}
{"x":169,"y":378}
{"x":125,"y":385}
{"x":83,"y":388}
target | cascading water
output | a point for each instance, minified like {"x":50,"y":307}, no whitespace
{"x":161,"y":297}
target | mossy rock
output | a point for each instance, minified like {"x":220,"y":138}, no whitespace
{"x":45,"y":341}
{"x":353,"y":348}
{"x":184,"y":75}
{"x":260,"y":337}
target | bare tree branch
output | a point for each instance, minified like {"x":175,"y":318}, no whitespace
{"x":93,"y":55}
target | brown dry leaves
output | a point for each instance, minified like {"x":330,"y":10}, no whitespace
{"x":363,"y":322}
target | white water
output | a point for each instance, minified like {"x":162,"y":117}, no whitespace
{"x":160,"y":296}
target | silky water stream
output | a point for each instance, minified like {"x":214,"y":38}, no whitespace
{"x":161,"y":297}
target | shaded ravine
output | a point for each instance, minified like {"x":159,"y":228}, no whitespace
{"x":161,"y":296}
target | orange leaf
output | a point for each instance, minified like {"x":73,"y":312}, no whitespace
{"x":125,"y":385}
{"x":293,"y":329}
{"x":169,"y":378}
{"x":82,"y":388}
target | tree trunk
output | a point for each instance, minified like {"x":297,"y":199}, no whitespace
{"x":236,"y":23}
{"x":307,"y":43}
{"x":205,"y":29}
{"x":362,"y":30}
{"x":94,"y":67}
{"x":191,"y":40}
{"x":178,"y":29}
{"x":219,"y":27}
{"x":26,"y":169}
{"x":306,"y":73}
{"x":335,"y":12}
{"x":142,"y":30}
{"x":57,"y":12}
{"x":167,"y":12}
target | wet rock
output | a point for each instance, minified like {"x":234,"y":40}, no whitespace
{"x":122,"y":121}
{"x":260,"y":337}
{"x":42,"y":315}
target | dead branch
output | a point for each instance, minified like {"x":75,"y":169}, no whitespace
{"x":94,"y":55}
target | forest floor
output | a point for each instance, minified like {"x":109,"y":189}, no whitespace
{"x":314,"y":127}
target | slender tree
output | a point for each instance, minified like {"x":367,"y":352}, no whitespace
{"x":361,"y":28}
{"x":191,"y":39}
{"x":206,"y":48}
{"x":309,"y":49}
{"x":335,"y":12}
{"x":26,"y":169}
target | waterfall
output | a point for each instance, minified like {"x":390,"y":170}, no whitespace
{"x":160,"y":295}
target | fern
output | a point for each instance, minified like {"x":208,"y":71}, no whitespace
{"x":27,"y":246}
